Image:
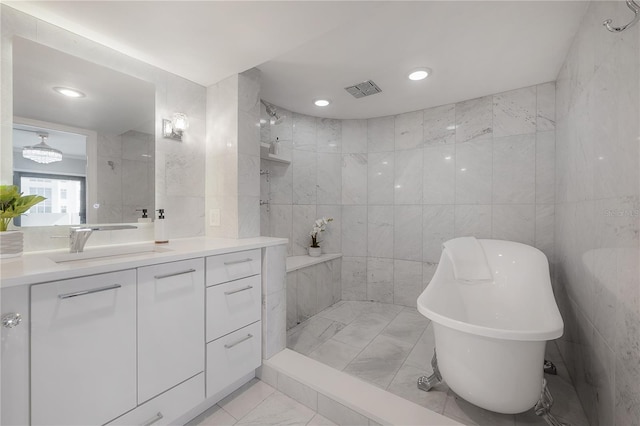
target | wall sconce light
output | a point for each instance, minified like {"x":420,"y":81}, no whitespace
{"x":174,"y":128}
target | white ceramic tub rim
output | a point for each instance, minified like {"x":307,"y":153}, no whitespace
{"x":532,"y":334}
{"x":496,"y":333}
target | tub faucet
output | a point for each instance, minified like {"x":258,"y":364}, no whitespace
{"x":78,"y":235}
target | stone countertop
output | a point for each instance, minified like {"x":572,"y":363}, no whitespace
{"x":38,"y":267}
{"x":298,"y":262}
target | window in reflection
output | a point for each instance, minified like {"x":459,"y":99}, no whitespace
{"x":65,"y":199}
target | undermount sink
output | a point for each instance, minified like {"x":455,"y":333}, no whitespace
{"x":108,"y":253}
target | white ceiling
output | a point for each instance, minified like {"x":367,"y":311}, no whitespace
{"x":311,"y":49}
{"x":114,"y":103}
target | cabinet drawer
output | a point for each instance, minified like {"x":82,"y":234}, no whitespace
{"x":232,"y":356}
{"x":167,"y":407}
{"x":83,"y":349}
{"x":170,"y":325}
{"x":233,"y":266}
{"x":232,"y":305}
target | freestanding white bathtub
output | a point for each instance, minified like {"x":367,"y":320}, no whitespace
{"x":491,"y":335}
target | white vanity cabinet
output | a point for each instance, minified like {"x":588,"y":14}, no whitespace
{"x":83,"y":349}
{"x":234,"y":333}
{"x":138,"y":341}
{"x":170,"y":325}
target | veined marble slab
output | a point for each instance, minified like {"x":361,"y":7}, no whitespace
{"x":298,"y":262}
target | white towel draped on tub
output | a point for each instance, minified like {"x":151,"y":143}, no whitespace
{"x":468,"y":259}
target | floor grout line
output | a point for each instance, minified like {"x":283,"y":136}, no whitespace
{"x":404,"y":362}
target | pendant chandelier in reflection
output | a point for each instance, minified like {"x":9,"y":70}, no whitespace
{"x":42,"y":153}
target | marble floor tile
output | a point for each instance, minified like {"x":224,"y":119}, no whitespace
{"x":380,"y":345}
{"x":407,"y":326}
{"x":335,"y":353}
{"x":469,"y":414}
{"x":319,"y":420}
{"x":529,"y":418}
{"x":404,"y":384}
{"x":362,"y":330}
{"x":379,"y":362}
{"x":246,"y":398}
{"x":422,"y":352}
{"x":385,"y":310}
{"x":307,"y":336}
{"x":278,"y":409}
{"x":566,"y":403}
{"x":214,"y":416}
{"x":344,"y":312}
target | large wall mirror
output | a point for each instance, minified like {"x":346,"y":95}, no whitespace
{"x":91,"y":153}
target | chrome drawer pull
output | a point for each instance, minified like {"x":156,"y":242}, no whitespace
{"x":249,"y":287}
{"x":155,"y":418}
{"x":235,"y":262}
{"x":249,"y":336}
{"x":85,"y":292}
{"x":188,"y":271}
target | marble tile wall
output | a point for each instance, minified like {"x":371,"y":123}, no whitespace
{"x":312,"y":289}
{"x":597,"y":206}
{"x":179,"y":167}
{"x":126,"y":171}
{"x":399,"y":186}
{"x":233,"y":156}
{"x":274,"y":300}
{"x":222,"y":157}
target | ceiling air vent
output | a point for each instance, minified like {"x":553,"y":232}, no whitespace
{"x":363,"y":89}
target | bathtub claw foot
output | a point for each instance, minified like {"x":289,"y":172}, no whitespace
{"x":426,"y":383}
{"x":543,"y":407}
{"x":550,"y":368}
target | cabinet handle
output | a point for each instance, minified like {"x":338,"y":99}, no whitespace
{"x":248,"y":336}
{"x":249,"y":287}
{"x":188,"y":271}
{"x":85,"y":292}
{"x":154,"y":419}
{"x":11,"y":320}
{"x":235,"y":262}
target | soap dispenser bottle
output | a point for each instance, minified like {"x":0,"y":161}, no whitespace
{"x":275,"y":147}
{"x":160,"y":228}
{"x":144,"y":218}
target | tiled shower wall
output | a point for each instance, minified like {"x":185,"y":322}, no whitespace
{"x":126,"y":172}
{"x":597,"y":215}
{"x":398,"y":186}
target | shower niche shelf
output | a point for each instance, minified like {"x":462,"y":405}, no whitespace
{"x":264,"y":153}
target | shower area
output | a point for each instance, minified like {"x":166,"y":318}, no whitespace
{"x":510,"y":166}
{"x":395,"y":191}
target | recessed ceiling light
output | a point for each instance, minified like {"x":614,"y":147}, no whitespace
{"x":322,"y":102}
{"x":419,"y":74}
{"x":72,"y":93}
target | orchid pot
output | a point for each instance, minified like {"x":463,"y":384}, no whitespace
{"x":319,"y":226}
{"x":315,"y":251}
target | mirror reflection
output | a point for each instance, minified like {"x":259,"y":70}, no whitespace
{"x":83,"y":136}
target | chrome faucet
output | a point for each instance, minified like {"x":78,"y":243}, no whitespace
{"x":78,"y":235}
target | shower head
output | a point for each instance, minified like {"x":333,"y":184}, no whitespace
{"x":275,"y":117}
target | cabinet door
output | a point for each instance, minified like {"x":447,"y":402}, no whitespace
{"x":170,"y":325}
{"x":165,"y":408}
{"x":83,"y":349}
{"x":14,"y":353}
